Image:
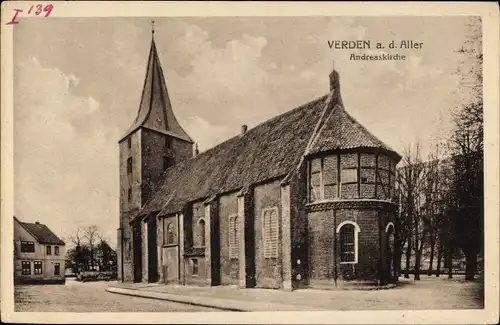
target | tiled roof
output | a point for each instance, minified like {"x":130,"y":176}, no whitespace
{"x":270,"y":150}
{"x":42,"y":233}
{"x":341,"y":131}
{"x":155,"y":97}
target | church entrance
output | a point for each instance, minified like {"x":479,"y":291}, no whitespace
{"x":152,"y":250}
{"x":137,"y":251}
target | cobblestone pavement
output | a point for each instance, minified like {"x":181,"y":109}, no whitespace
{"x":88,"y":297}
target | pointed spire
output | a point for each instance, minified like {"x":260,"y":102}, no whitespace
{"x":335,"y":87}
{"x":155,"y":109}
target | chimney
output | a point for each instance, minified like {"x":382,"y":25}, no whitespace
{"x":196,"y":151}
{"x":244,"y":129}
{"x":37,"y":223}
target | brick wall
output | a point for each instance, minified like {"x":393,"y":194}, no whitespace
{"x":198,"y":215}
{"x":154,"y":148}
{"x":195,"y":279}
{"x":133,"y":180}
{"x":267,"y":270}
{"x":324,"y":257}
{"x":368,"y":245}
{"x":229,"y":268}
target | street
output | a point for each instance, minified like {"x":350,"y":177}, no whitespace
{"x":76,"y":296}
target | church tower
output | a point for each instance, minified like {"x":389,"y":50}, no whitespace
{"x":154,"y":142}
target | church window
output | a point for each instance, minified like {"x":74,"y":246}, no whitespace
{"x":348,"y":237}
{"x":195,"y":266}
{"x":129,"y":194}
{"x":315,"y":180}
{"x":201,"y":225}
{"x":129,"y":142}
{"x":129,"y":165}
{"x":170,"y":234}
{"x":270,"y":232}
{"x":233,"y":237}
{"x":329,"y":174}
{"x":349,"y":175}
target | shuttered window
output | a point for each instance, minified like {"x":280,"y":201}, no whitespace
{"x":270,"y":232}
{"x":233,"y":237}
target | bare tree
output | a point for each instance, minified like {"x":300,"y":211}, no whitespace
{"x":91,"y":234}
{"x":467,"y":147}
{"x":411,"y":180}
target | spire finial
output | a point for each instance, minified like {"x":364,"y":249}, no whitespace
{"x":152,"y":27}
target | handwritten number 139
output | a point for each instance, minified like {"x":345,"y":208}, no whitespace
{"x":47,"y":9}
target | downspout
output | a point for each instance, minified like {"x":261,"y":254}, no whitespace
{"x":335,"y":270}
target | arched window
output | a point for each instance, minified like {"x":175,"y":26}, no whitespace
{"x":234,"y":241}
{"x":348,"y":238}
{"x":201,"y":225}
{"x":270,"y":232}
{"x":389,"y":230}
{"x":170,"y":234}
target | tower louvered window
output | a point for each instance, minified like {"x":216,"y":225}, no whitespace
{"x":270,"y":232}
{"x":233,"y":237}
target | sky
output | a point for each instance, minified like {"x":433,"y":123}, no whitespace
{"x":78,"y":82}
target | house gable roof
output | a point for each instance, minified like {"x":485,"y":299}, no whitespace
{"x":41,"y":233}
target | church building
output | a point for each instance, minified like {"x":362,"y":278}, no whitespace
{"x":303,"y":200}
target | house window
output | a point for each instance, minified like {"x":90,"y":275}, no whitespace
{"x":38,"y":267}
{"x":26,"y":267}
{"x":57,"y":269}
{"x":129,"y":195}
{"x":49,"y":250}
{"x":348,"y":237}
{"x":129,"y":165}
{"x":201,"y":224}
{"x":27,"y":247}
{"x":170,"y":234}
{"x":56,"y":250}
{"x":270,"y":230}
{"x":233,"y":237}
{"x":129,"y":142}
{"x":194,"y":270}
